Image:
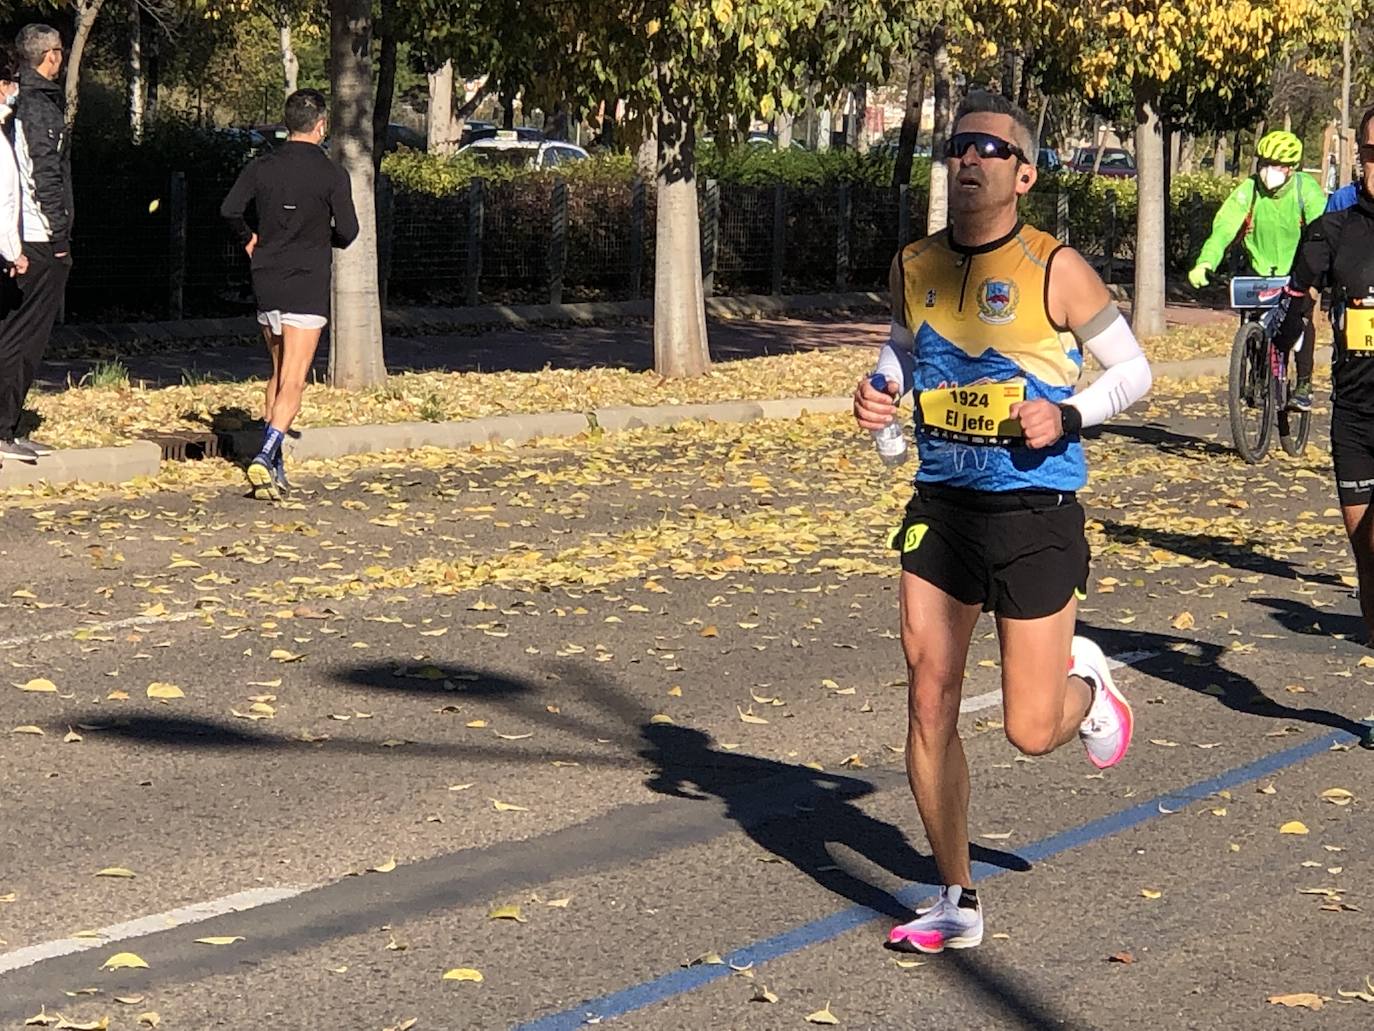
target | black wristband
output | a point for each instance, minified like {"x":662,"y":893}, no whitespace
{"x":1072,"y":419}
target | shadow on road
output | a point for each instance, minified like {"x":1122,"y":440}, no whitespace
{"x":1313,"y":622}
{"x":1161,"y":438}
{"x":1202,"y":547}
{"x":684,"y":756}
{"x":1198,"y":666}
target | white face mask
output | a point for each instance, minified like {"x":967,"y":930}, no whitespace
{"x":1273,"y":177}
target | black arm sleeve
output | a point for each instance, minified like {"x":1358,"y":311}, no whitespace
{"x":1311,"y":270}
{"x":345,"y":217}
{"x":236,"y":203}
{"x":48,"y":187}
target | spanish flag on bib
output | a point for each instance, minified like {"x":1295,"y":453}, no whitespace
{"x":984,"y":340}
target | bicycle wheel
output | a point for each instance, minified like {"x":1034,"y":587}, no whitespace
{"x":1294,"y":427}
{"x":1249,"y":394}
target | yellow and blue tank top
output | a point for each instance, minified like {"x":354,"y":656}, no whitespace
{"x":983,"y":339}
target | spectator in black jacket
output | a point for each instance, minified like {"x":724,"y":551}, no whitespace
{"x":41,"y":147}
{"x":302,"y":207}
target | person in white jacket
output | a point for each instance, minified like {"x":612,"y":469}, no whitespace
{"x":11,"y":187}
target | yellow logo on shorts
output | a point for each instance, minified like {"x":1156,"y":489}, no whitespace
{"x":914,"y":535}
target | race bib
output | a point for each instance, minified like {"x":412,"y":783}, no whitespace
{"x":978,"y":414}
{"x":1359,"y":332}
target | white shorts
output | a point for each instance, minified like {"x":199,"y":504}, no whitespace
{"x":276,"y":319}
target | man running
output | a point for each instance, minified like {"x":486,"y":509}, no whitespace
{"x":1337,"y":254}
{"x":989,"y":320}
{"x":303,"y":205}
{"x":1268,"y":212}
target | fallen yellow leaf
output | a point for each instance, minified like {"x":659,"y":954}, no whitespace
{"x":165,"y":691}
{"x":124,"y":961}
{"x":28,"y":729}
{"x":1293,"y":827}
{"x":386,"y":867}
{"x":40,"y":685}
{"x":115,"y":871}
{"x":508,"y":912}
{"x":1306,"y":1000}
{"x":1151,"y":893}
{"x":822,"y":1016}
{"x":219,"y":940}
{"x":463,"y":974}
{"x":508,"y":807}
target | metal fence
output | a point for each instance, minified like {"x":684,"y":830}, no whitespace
{"x":164,"y":252}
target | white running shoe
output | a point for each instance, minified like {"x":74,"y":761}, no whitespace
{"x":1106,"y":730}
{"x":945,"y":925}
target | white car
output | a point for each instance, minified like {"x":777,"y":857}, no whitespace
{"x":507,"y":148}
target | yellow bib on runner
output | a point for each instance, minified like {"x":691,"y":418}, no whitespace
{"x":976,"y":414}
{"x":1359,"y":331}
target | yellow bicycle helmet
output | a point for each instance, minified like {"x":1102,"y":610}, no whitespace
{"x":1280,"y":147}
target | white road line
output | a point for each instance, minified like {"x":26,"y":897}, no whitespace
{"x":987,"y":700}
{"x":235,"y":903}
{"x":117,"y":624}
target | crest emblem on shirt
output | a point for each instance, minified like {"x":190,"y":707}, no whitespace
{"x":930,"y":298}
{"x":997,"y":301}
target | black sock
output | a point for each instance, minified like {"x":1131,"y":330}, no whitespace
{"x":968,"y":898}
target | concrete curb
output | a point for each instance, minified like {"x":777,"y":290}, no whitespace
{"x":324,"y":442}
{"x":409,"y":321}
{"x":86,"y":465}
{"x":335,"y":441}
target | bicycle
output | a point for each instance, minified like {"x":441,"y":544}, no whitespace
{"x":1261,"y":379}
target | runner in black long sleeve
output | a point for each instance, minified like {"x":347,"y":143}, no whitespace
{"x":303,"y":206}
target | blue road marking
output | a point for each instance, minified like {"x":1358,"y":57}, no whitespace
{"x":688,"y":979}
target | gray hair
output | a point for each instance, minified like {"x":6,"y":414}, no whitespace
{"x":34,"y":41}
{"x":985,"y":102}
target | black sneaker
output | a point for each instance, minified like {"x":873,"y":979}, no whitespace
{"x":1301,"y":401}
{"x":18,"y":450}
{"x":37,"y":446}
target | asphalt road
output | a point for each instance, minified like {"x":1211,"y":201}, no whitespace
{"x":647,"y":689}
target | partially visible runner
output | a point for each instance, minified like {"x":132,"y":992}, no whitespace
{"x":303,"y":206}
{"x":1337,"y":254}
{"x":989,"y":319}
{"x":1267,"y":214}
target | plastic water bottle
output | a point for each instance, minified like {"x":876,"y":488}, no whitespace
{"x":891,"y":439}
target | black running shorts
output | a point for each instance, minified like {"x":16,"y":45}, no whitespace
{"x":1022,"y":555}
{"x":1352,"y":453}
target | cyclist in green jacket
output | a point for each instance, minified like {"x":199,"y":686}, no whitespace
{"x":1268,"y":213}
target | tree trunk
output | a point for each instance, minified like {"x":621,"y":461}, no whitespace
{"x":783,"y":127}
{"x":646,"y":155}
{"x":1187,"y":153}
{"x":441,"y":139}
{"x":86,"y":12}
{"x":464,"y":112}
{"x":507,"y":111}
{"x":1147,"y":311}
{"x":857,"y":136}
{"x":1040,"y":122}
{"x":680,"y":343}
{"x":355,"y":346}
{"x":386,"y":81}
{"x":290,"y":66}
{"x":136,"y":107}
{"x":1099,"y":144}
{"x":152,"y":59}
{"x":1219,"y":156}
{"x":938,"y":209}
{"x":911,"y":120}
{"x":1023,"y":87}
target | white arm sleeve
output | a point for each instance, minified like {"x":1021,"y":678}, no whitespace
{"x":1127,"y":375}
{"x":897,"y":361}
{"x":10,"y":206}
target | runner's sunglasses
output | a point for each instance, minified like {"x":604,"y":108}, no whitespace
{"x":985,"y":145}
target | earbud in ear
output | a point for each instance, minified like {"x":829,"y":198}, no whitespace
{"x":1025,"y":178}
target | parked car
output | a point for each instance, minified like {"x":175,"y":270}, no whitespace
{"x":507,"y":148}
{"x":1115,"y":162}
{"x":487,"y":131}
{"x":266,"y":136}
{"x":1048,"y":160}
